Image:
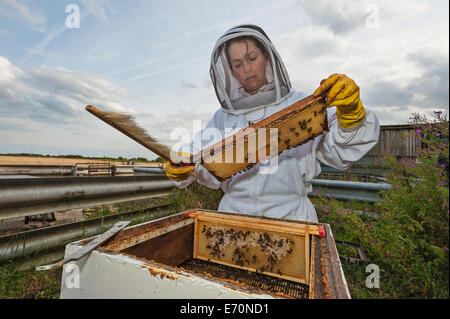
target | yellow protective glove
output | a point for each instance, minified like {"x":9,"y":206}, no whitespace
{"x":344,"y":94}
{"x":179,"y":173}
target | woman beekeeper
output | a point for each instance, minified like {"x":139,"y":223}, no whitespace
{"x":252,"y":83}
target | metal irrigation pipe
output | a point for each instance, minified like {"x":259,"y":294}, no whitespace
{"x":344,"y":190}
{"x":33,"y":196}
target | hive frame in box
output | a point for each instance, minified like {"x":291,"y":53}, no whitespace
{"x":254,"y":226}
{"x":110,"y":272}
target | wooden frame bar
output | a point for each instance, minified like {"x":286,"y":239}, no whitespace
{"x":294,"y":228}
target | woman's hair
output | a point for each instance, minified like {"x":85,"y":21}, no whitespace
{"x":243,"y":38}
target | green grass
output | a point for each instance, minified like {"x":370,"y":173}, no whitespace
{"x":31,"y":284}
{"x":106,"y":210}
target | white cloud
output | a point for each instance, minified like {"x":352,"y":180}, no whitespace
{"x":36,"y":20}
{"x":99,"y":9}
{"x":395,"y":66}
{"x":342,"y":16}
{"x":168,"y":69}
{"x":54,"y":95}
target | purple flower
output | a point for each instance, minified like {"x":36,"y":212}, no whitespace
{"x":438,"y":134}
{"x":412,"y":165}
{"x":430,"y":200}
{"x":441,"y":182}
{"x":339,"y":212}
{"x":442,"y":165}
{"x":370,"y":226}
{"x":438,"y":112}
{"x":418,"y":131}
{"x":431,"y":127}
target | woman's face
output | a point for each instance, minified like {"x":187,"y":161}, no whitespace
{"x":248,"y":65}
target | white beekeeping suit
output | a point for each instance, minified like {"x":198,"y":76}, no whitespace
{"x":282,"y":194}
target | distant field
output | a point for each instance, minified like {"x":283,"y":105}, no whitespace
{"x":30,"y":160}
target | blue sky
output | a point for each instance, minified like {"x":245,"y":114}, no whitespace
{"x":151,"y":59}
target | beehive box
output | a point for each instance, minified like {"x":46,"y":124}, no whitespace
{"x":174,"y":257}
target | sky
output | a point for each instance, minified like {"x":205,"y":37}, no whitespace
{"x":151,"y":59}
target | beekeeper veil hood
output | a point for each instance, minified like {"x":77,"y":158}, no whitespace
{"x":229,"y":91}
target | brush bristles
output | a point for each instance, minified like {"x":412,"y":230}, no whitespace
{"x":127,"y":124}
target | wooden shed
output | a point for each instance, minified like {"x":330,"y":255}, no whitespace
{"x":399,"y":140}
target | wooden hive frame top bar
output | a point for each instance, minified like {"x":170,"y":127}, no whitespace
{"x":259,"y":223}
